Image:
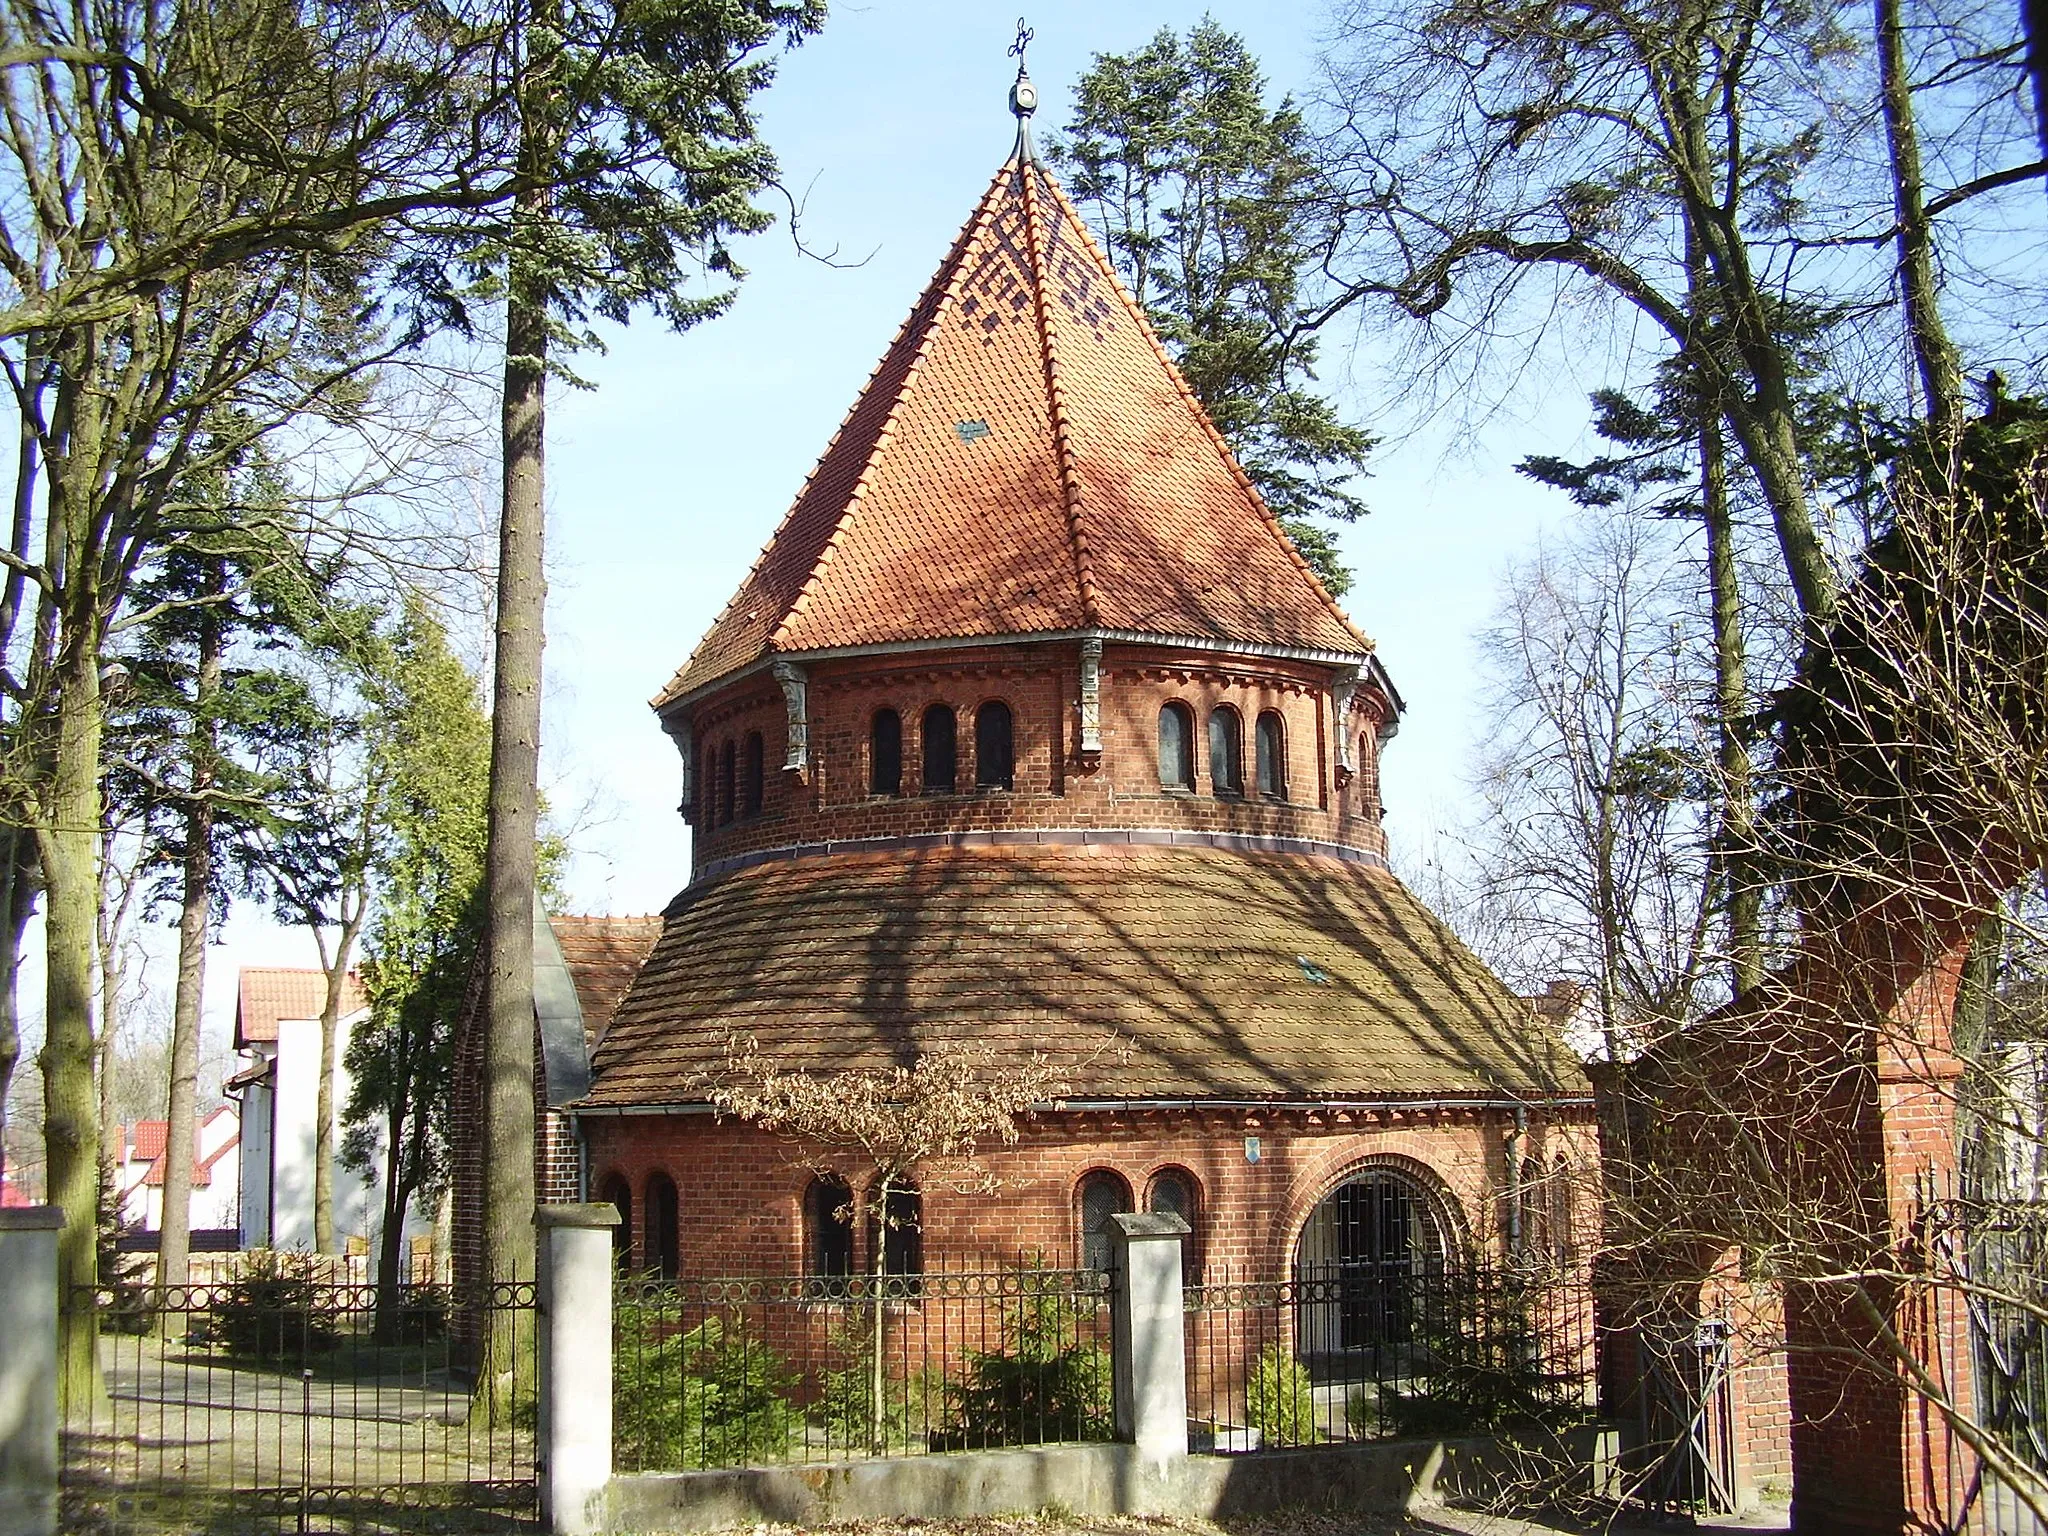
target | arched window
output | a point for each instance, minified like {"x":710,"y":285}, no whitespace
{"x":1272,"y":753}
{"x":726,"y":775}
{"x":1102,"y":1195}
{"x":885,"y":753}
{"x":1176,"y":747}
{"x":1533,"y":1212}
{"x":616,"y":1192}
{"x":940,"y":750}
{"x":664,"y":1253}
{"x":705,"y":790}
{"x":1372,"y":1249}
{"x":750,"y":780}
{"x":828,"y":1227}
{"x":995,"y":763}
{"x":902,"y":1237}
{"x":1226,"y":751}
{"x":1173,"y":1194}
{"x":1561,"y":1245}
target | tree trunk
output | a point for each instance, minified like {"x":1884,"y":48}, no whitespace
{"x":323,"y":1104}
{"x":67,"y":841}
{"x":508,"y":1246}
{"x":17,"y":902}
{"x":1941,"y":372}
{"x":1731,"y":708}
{"x":173,"y":1266}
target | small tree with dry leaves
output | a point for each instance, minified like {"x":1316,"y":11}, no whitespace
{"x":931,"y":1116}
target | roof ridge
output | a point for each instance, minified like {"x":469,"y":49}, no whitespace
{"x":952,"y":269}
{"x":1056,"y":400}
{"x":1201,"y":414}
{"x":796,"y":502}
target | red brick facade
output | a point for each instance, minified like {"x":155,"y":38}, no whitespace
{"x":1054,"y":786}
{"x":742,"y":1189}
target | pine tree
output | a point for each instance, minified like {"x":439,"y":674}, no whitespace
{"x":1211,"y":207}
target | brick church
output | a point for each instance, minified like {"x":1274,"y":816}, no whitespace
{"x":1030,"y":728}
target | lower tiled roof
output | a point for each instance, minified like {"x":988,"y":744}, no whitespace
{"x":1153,"y":973}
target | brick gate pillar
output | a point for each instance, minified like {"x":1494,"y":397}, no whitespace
{"x":1867,"y":1335}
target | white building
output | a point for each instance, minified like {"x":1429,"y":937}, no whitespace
{"x":143,"y":1161}
{"x":277,"y":1032}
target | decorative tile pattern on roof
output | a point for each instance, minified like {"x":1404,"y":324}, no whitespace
{"x":1156,"y":972}
{"x":912,"y":528}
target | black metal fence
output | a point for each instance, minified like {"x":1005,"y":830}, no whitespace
{"x":1373,"y":1351}
{"x":282,"y":1401}
{"x":719,"y":1373}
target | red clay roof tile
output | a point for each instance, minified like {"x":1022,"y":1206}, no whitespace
{"x":1154,"y":972}
{"x":270,"y":993}
{"x":1025,"y":459}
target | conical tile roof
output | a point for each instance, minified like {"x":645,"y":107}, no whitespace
{"x":1025,"y":460}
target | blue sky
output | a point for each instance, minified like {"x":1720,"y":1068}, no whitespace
{"x":666,"y":478}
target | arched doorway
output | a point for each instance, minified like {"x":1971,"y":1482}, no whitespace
{"x":1368,"y":1254}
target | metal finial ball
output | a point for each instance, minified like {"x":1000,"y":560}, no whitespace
{"x":1023,"y":97}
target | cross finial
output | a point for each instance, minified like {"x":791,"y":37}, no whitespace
{"x":1023,"y":94}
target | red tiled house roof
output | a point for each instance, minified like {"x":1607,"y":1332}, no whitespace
{"x":1027,"y":463}
{"x":270,"y":993}
{"x":1155,"y":972}
{"x":1025,"y":460}
{"x":603,"y":954}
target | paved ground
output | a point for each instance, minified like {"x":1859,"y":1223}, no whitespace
{"x":1770,"y":1521}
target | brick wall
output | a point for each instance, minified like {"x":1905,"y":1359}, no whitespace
{"x":1053,"y":786}
{"x":742,"y":1188}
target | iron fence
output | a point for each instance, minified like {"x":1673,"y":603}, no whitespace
{"x":280,"y":1401}
{"x":1343,"y":1351}
{"x":739,"y":1372}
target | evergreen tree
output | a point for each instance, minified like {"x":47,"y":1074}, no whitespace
{"x":1211,"y":208}
{"x":430,"y":741}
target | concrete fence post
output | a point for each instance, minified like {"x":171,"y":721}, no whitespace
{"x":28,"y":1370}
{"x":1147,"y":1336}
{"x":574,"y":1297}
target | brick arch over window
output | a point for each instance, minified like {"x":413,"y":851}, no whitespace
{"x":939,"y":747}
{"x":1174,"y":1190}
{"x":1373,"y":1253}
{"x":1176,"y":746}
{"x":1448,"y":1229}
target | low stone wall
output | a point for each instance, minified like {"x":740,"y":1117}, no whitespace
{"x":1108,"y":1479}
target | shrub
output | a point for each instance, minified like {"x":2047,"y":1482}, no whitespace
{"x":126,"y":1302}
{"x":845,"y":1404}
{"x":1044,"y":1383}
{"x":275,"y":1308}
{"x":709,"y":1396}
{"x":1484,"y":1370}
{"x":1280,"y":1400}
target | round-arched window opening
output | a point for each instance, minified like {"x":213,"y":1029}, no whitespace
{"x":1272,"y":756}
{"x":885,"y":753}
{"x":752,"y":773}
{"x":1372,"y":1255}
{"x":728,"y":776}
{"x":1176,"y":747}
{"x":664,"y":1253}
{"x":995,"y":758}
{"x":1173,"y":1193}
{"x":941,"y":749}
{"x":1226,"y":751}
{"x":1102,"y":1194}
{"x":828,"y":1227}
{"x":613,"y":1190}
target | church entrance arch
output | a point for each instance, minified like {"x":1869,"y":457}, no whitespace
{"x":1366,"y":1258}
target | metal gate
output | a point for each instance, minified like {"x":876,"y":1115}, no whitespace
{"x":280,"y":1401}
{"x":1688,"y":1420}
{"x":2008,"y":1262}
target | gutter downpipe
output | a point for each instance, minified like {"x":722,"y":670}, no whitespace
{"x":1515,"y":1180}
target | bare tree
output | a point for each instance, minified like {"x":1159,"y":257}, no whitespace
{"x":897,"y":1122}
